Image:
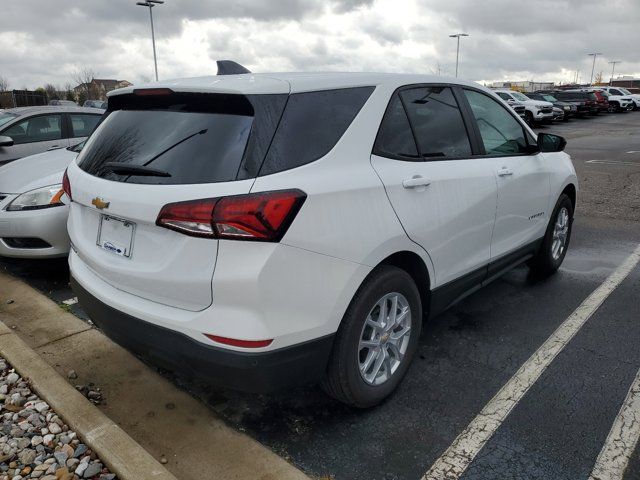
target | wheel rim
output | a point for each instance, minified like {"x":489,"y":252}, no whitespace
{"x":384,"y":338}
{"x":560,"y":233}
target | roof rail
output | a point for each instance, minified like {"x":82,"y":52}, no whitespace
{"x":229,"y":67}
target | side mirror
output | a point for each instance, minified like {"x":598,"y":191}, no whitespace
{"x":6,"y":141}
{"x":547,"y":142}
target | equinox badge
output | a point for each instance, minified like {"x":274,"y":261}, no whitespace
{"x":99,"y":203}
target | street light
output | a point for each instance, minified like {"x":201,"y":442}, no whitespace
{"x":151,"y":4}
{"x":594,"y":55}
{"x":613,"y":69}
{"x":458,"y":35}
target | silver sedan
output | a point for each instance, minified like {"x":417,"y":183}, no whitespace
{"x":33,"y":206}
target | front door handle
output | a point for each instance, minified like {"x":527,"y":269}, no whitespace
{"x":504,"y":172}
{"x":416,"y":181}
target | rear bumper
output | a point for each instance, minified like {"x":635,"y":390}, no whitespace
{"x":259,"y":372}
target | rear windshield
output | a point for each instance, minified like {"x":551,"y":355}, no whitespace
{"x":577,"y":95}
{"x":189,"y":142}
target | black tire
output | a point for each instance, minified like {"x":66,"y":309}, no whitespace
{"x":544,"y":263}
{"x":528,"y":117}
{"x":343,"y":380}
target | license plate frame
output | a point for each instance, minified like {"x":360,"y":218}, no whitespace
{"x":115,"y":235}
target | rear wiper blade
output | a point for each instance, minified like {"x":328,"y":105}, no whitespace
{"x":120,"y":168}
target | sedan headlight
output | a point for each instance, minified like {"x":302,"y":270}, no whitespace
{"x":39,"y":198}
{"x":567,"y":107}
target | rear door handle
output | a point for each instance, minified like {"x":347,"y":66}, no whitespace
{"x":504,"y":172}
{"x":416,"y":181}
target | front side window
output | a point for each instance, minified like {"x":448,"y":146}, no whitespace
{"x":42,"y":128}
{"x":437,"y":122}
{"x":501,"y":133}
{"x":83,"y":124}
{"x":615,"y":92}
{"x":395,"y":138}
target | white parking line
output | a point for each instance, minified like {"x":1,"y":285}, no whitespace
{"x":455,"y":460}
{"x":622,"y":439}
{"x":613,"y":162}
{"x":70,"y":301}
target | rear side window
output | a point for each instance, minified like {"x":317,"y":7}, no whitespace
{"x":437,"y":122}
{"x":188,"y":138}
{"x":395,"y":139}
{"x":83,"y":125}
{"x":311,"y":125}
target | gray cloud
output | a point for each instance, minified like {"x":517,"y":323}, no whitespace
{"x":44,"y":41}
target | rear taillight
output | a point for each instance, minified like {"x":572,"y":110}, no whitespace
{"x":264,"y":216}
{"x":66,"y":185}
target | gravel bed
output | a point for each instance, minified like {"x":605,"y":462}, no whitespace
{"x":35,"y":442}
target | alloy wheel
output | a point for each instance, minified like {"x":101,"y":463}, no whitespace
{"x":560,"y":233}
{"x":384,"y":338}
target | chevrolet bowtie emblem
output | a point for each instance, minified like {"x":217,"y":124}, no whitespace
{"x":99,"y":203}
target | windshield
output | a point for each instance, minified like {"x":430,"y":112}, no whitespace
{"x":6,"y":117}
{"x":519,"y":96}
{"x":550,"y":98}
{"x":625,"y":91}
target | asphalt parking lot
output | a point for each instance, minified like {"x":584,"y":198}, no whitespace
{"x":559,"y":426}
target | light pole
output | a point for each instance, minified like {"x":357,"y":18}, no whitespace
{"x":593,"y":67}
{"x":458,"y":35}
{"x":151,"y":4}
{"x":613,"y":69}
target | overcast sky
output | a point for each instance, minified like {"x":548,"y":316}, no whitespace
{"x":44,"y":41}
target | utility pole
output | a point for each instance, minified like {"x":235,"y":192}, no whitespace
{"x":613,"y":69}
{"x":151,"y":4}
{"x":457,"y":36}
{"x":593,"y":67}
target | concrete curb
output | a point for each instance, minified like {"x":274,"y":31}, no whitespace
{"x":114,"y":447}
{"x":163,"y":419}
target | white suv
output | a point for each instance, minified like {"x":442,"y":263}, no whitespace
{"x":621,"y":98}
{"x":537,"y":111}
{"x":269,"y":230}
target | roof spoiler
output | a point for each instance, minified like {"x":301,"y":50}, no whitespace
{"x":229,"y":67}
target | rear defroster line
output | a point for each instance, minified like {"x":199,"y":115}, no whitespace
{"x":457,"y":458}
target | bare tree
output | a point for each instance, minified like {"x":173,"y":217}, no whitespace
{"x":437,"y":70}
{"x":83,"y":77}
{"x":52,"y":92}
{"x":4,"y":84}
{"x":598,"y":79}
